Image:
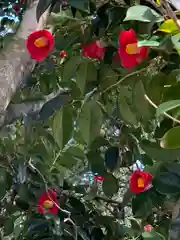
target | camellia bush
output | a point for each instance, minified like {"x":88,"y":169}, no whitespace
{"x":92,"y":149}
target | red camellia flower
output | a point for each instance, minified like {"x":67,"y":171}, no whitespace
{"x":45,"y":203}
{"x":63,"y":54}
{"x":140,"y":181}
{"x":148,"y":228}
{"x":130,"y":54}
{"x":39,"y":44}
{"x":98,"y":178}
{"x":94,"y":50}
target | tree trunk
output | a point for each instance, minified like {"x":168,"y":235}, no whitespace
{"x":15,"y":62}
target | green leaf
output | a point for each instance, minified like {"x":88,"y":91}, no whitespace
{"x":168,"y":26}
{"x":156,"y":152}
{"x":144,"y":110}
{"x":96,"y":162}
{"x":166,"y":106}
{"x":86,"y":73}
{"x":142,"y":205}
{"x":176,"y":42}
{"x":71,"y":156}
{"x":90,"y":121}
{"x":70,"y":68}
{"x":155,"y":87}
{"x":3,"y":182}
{"x":110,"y":185}
{"x":167,"y":183}
{"x":107,"y":77}
{"x":152,"y":236}
{"x":76,"y":151}
{"x":79,"y":4}
{"x":125,"y":106}
{"x":148,"y":43}
{"x":171,"y":139}
{"x":65,"y":42}
{"x":143,"y":14}
{"x":42,"y":7}
{"x":62,"y":126}
{"x":174,"y":76}
{"x":8,"y":226}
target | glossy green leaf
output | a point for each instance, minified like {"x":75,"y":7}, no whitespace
{"x":90,"y":121}
{"x":110,"y":185}
{"x":70,"y":68}
{"x":125,"y":106}
{"x":142,"y":205}
{"x":156,"y":152}
{"x":167,"y":183}
{"x":171,"y":139}
{"x":86,"y":73}
{"x":96,"y":162}
{"x":166,"y":106}
{"x":62,"y":126}
{"x":152,"y":236}
{"x":143,"y":14}
{"x":176,"y":42}
{"x":155,"y":87}
{"x":144,"y":110}
{"x":148,"y":43}
{"x":168,"y":26}
{"x":8,"y":226}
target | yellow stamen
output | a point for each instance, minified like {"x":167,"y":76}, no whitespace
{"x":47,"y":204}
{"x":41,"y":42}
{"x":140,"y":182}
{"x":132,"y":48}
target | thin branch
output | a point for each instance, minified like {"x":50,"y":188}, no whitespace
{"x":170,"y":12}
{"x":68,"y":219}
{"x":124,"y":78}
{"x":155,"y":106}
{"x":155,"y":5}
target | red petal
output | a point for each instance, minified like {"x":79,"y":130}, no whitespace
{"x":147,"y":177}
{"x":148,"y":228}
{"x":98,"y":178}
{"x":126,"y":37}
{"x":142,"y":54}
{"x":36,"y":53}
{"x":54,"y":210}
{"x":127,"y":60}
{"x":45,"y":196}
{"x":93,"y":50}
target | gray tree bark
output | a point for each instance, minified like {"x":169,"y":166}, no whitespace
{"x":15,"y":62}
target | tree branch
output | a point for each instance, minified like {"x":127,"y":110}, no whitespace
{"x":15,"y":62}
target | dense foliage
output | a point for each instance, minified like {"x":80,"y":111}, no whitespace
{"x":93,"y":153}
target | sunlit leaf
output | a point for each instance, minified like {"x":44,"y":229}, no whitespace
{"x":169,"y":26}
{"x":166,"y":106}
{"x":156,"y":152}
{"x":171,"y":139}
{"x":143,"y":14}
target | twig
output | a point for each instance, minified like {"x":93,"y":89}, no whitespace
{"x":68,"y":219}
{"x":155,"y":6}
{"x":155,"y":106}
{"x":55,"y":160}
{"x":124,"y":78}
{"x":170,"y":12}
